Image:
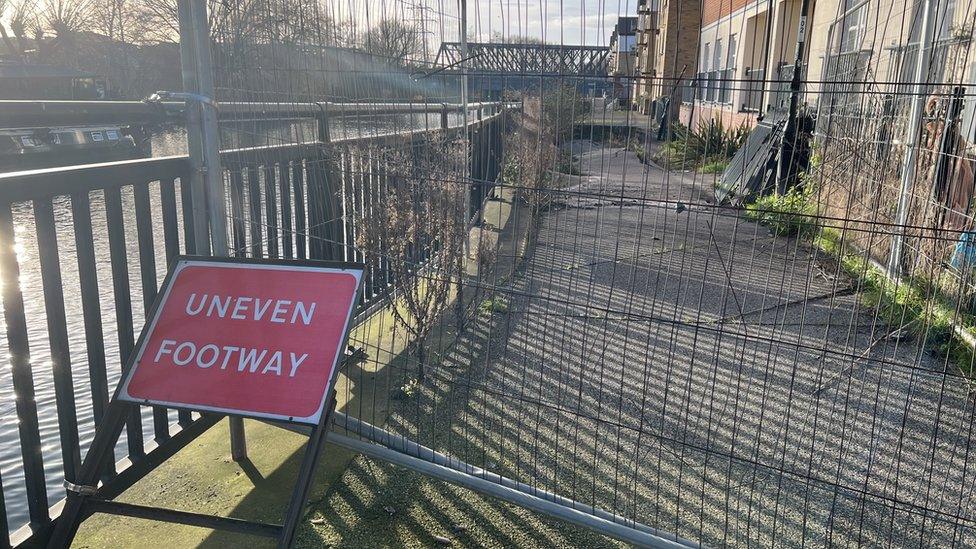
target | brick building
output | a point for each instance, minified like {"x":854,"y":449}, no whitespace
{"x":623,"y":49}
{"x":746,"y":51}
{"x":645,"y":70}
{"x":676,"y":49}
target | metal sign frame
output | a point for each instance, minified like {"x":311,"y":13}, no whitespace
{"x":82,"y":498}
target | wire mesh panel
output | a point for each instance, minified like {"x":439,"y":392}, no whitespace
{"x":556,"y":296}
{"x":557,"y":300}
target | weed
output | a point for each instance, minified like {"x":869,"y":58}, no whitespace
{"x":916,"y":304}
{"x":785,"y":214}
{"x":638,"y":149}
{"x":714,"y":166}
{"x":565,"y":163}
{"x":710,"y":141}
{"x":492,"y":305}
{"x":407,"y":390}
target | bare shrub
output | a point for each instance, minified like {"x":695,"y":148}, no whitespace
{"x":530,"y":152}
{"x":417,"y":234}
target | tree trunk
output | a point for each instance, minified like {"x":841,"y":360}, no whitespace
{"x":10,"y":44}
{"x":420,"y":352}
{"x":459,"y":307}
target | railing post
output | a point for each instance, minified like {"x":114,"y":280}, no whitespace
{"x":323,"y":214}
{"x":203,"y":140}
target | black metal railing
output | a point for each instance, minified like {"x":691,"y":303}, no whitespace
{"x":688,"y":90}
{"x":291,"y":201}
{"x":715,"y":86}
{"x":701,"y":82}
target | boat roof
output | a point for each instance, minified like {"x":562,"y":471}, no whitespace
{"x":22,"y":70}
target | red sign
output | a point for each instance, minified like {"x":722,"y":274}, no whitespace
{"x":255,"y":339}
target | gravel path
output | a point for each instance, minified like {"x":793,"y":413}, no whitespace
{"x":674,"y":363}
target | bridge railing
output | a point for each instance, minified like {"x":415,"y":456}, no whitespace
{"x":75,"y":293}
{"x":30,"y":113}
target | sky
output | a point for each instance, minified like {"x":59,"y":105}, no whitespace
{"x":569,"y":21}
{"x":587,"y":22}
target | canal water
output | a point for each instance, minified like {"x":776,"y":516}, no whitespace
{"x":252,"y":133}
{"x":164,"y":142}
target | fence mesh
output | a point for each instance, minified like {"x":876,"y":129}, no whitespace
{"x":584,"y":316}
{"x":558,"y":307}
{"x":555,"y":291}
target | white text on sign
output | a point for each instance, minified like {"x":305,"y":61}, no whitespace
{"x":250,"y":308}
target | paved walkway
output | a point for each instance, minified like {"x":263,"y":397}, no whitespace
{"x":677,"y":364}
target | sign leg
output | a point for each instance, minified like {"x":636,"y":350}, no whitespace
{"x":238,"y":441}
{"x":313,"y":451}
{"x":91,"y":469}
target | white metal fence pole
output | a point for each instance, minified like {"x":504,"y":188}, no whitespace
{"x":203,"y":141}
{"x":910,"y":165}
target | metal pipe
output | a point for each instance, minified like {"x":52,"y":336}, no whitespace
{"x":911,"y":143}
{"x":194,"y":127}
{"x":216,"y":205}
{"x":227,"y":524}
{"x":787,"y":157}
{"x":609,"y":528}
{"x":404,"y":445}
{"x":203,"y":146}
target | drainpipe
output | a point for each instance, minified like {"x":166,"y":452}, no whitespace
{"x":464,"y":95}
{"x":911,"y":142}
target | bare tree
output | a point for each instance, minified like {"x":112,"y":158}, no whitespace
{"x":228,"y":19}
{"x":66,"y":18}
{"x":393,"y":40}
{"x":118,"y":20}
{"x":19,"y":15}
{"x":416,"y":235}
{"x":53,"y":27}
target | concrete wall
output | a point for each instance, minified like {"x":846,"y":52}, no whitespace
{"x":691,"y":115}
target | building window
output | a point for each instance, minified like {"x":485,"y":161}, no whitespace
{"x":945,"y":12}
{"x":704,"y":82}
{"x":727,"y":74}
{"x":853,"y":28}
{"x":731,"y":57}
{"x":942,"y":11}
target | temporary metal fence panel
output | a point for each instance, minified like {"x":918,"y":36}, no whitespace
{"x":597,"y":337}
